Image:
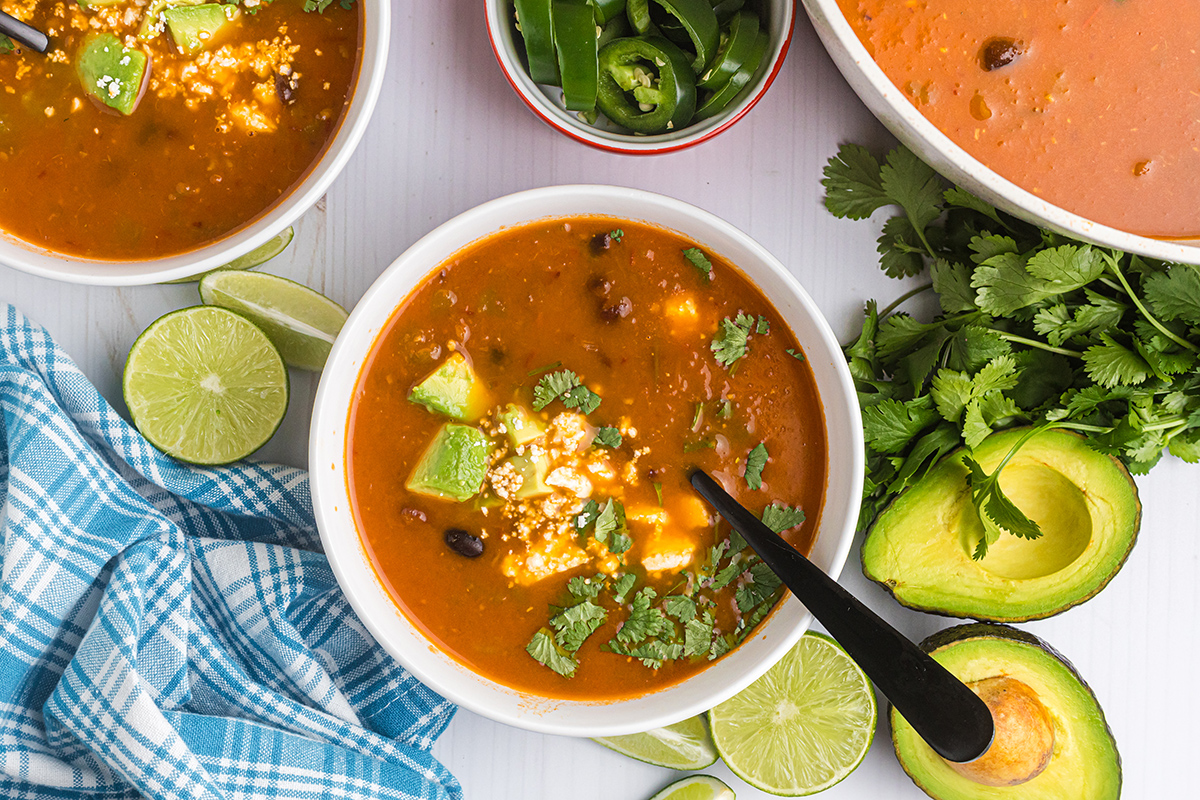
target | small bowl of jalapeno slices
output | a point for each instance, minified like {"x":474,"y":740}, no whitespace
{"x":640,"y":76}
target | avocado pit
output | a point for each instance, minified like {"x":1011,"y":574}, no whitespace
{"x":1024,"y":740}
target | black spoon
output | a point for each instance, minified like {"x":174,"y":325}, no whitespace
{"x":947,"y":715}
{"x":30,"y":37}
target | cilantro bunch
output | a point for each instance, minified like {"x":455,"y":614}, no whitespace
{"x":1035,"y":330}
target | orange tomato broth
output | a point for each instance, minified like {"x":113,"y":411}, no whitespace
{"x":1097,"y":114}
{"x":533,"y":296}
{"x":212,"y":145}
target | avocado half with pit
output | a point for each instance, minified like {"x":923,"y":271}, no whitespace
{"x":1052,"y":741}
{"x":1086,"y":504}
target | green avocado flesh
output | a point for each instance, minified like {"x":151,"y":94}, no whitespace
{"x":193,"y":27}
{"x":920,"y":547}
{"x":111,"y":72}
{"x":1085,"y":764}
{"x":452,"y":389}
{"x":454,"y":465}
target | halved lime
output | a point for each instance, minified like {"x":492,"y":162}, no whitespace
{"x":205,"y":385}
{"x":803,"y":726}
{"x":696,"y":787}
{"x":684,"y":745}
{"x":301,"y":322}
{"x":259,"y":255}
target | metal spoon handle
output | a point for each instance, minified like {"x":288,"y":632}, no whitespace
{"x":30,"y":37}
{"x":946,"y":714}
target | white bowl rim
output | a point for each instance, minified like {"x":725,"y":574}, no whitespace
{"x":376,"y":33}
{"x":922,"y":136}
{"x":628,"y":144}
{"x":350,"y":563}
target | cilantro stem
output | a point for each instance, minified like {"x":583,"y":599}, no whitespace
{"x":1116,"y":270}
{"x":1165,"y":424}
{"x":1012,"y":337}
{"x":903,"y":298}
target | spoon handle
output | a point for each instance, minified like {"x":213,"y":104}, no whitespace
{"x":30,"y":37}
{"x":946,"y":714}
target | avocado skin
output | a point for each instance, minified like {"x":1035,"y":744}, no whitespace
{"x":990,"y":630}
{"x":889,"y":587}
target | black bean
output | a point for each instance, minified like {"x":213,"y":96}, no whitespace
{"x":601,"y":242}
{"x":999,"y":51}
{"x":285,"y":86}
{"x":464,"y":543}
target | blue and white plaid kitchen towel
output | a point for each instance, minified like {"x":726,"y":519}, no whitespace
{"x":176,"y":632}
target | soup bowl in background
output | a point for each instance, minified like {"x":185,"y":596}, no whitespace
{"x":892,"y":107}
{"x":778,"y":16}
{"x":375,"y":34}
{"x":351,"y":563}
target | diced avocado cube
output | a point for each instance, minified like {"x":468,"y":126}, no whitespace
{"x":193,"y":27}
{"x":110,"y":71}
{"x":452,"y":389}
{"x":522,"y":426}
{"x":532,"y":470}
{"x":454,"y":465}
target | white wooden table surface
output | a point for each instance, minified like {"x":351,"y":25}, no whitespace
{"x":449,"y":134}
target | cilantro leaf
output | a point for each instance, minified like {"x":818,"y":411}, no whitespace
{"x":591,"y":510}
{"x":779,"y":517}
{"x":608,"y":437}
{"x":610,"y":529}
{"x":963,"y":199}
{"x":762,"y":584}
{"x":6,"y":45}
{"x":681,"y":608}
{"x":1006,"y":281}
{"x":652,"y":653}
{"x":622,"y":586}
{"x":1175,"y":294}
{"x":576,"y":623}
{"x":586,"y":588}
{"x":973,"y":346}
{"x":763,"y":326}
{"x":796,"y":354}
{"x":755,"y":461}
{"x":1111,"y":364}
{"x":900,"y":250}
{"x":548,"y":652}
{"x":853,"y":188}
{"x":914,"y":186}
{"x":697,"y":635}
{"x":644,"y":621}
{"x":995,"y":510}
{"x":730,"y":343}
{"x":890,"y":425}
{"x":564,"y":385}
{"x":700,"y":261}
{"x":952,"y":282}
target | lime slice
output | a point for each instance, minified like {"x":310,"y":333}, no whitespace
{"x":801,"y":727}
{"x":684,"y":745}
{"x":205,"y":385}
{"x":259,"y":255}
{"x":696,"y":787}
{"x":301,"y":322}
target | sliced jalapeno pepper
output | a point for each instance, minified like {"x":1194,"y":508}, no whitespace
{"x":617,"y":27}
{"x":723,"y":96}
{"x":606,"y":10}
{"x":578,"y":57}
{"x":737,"y":43}
{"x":533,"y":20}
{"x":725,"y":9}
{"x":646,"y":85}
{"x":699,"y":21}
{"x":638,"y":12}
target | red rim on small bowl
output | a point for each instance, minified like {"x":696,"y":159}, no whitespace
{"x":503,"y":46}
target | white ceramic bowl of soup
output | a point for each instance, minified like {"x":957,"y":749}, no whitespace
{"x":893,"y":109}
{"x":352,"y":565}
{"x":375,"y":34}
{"x":778,"y":17}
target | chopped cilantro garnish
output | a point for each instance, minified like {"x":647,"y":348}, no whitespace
{"x":577,"y":623}
{"x":587,"y":516}
{"x":617,"y":235}
{"x":762,"y":584}
{"x":703,"y":444}
{"x":763,"y":327}
{"x":726,"y":410}
{"x":731,"y":341}
{"x":6,"y":45}
{"x":755,"y":461}
{"x":586,"y":588}
{"x":720,"y":646}
{"x":564,"y":385}
{"x":320,"y":5}
{"x":779,"y":517}
{"x":658,"y":491}
{"x":651,"y":653}
{"x":547,"y":651}
{"x":622,"y":587}
{"x":796,"y":354}
{"x":546,"y":368}
{"x":644,"y":620}
{"x":681,"y":608}
{"x":608,"y":437}
{"x":697,"y":635}
{"x":700,"y":261}
{"x":697,"y":415}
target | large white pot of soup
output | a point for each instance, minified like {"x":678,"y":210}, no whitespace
{"x":156,"y":141}
{"x":501,"y":443}
{"x":1056,"y":113}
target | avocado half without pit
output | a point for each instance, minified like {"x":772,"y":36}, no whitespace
{"x":920,"y":547}
{"x":1052,"y":741}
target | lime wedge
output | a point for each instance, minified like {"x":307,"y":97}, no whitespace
{"x":301,"y":322}
{"x":696,"y":787}
{"x":259,"y":255}
{"x":684,"y":745}
{"x":803,"y":726}
{"x":205,"y":385}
